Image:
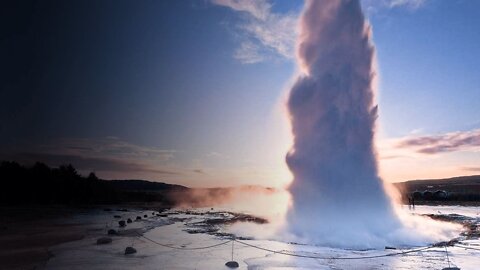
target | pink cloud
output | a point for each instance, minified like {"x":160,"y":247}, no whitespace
{"x":443,"y":143}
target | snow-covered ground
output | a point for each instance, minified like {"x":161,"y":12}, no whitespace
{"x":200,"y":228}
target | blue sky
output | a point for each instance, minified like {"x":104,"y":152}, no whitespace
{"x":192,"y":92}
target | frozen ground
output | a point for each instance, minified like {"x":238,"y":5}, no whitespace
{"x":199,"y":228}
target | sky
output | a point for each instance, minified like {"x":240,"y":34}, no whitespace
{"x":192,"y":92}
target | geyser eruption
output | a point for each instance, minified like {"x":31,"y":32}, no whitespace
{"x":338,"y":197}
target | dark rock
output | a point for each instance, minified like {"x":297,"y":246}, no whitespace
{"x":163,"y":209}
{"x":129,"y":220}
{"x":112,"y":232}
{"x":232,"y":264}
{"x":138,"y":218}
{"x":104,"y":240}
{"x":121,"y":223}
{"x":450,"y":243}
{"x":145,"y":216}
{"x":130,"y":250}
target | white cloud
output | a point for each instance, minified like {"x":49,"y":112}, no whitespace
{"x":248,"y":53}
{"x":414,"y":4}
{"x":257,"y":8}
{"x":264,"y":33}
{"x":377,"y":5}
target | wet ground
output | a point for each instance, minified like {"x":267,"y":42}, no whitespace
{"x":174,"y":239}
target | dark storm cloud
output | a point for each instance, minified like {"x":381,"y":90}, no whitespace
{"x":443,"y":143}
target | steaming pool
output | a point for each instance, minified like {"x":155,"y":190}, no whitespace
{"x":187,"y":230}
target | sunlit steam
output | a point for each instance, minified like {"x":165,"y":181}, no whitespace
{"x":338,"y":198}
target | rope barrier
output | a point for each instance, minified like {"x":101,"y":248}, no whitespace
{"x":467,"y":247}
{"x":184,"y":248}
{"x":448,"y":259}
{"x":285,"y":253}
{"x":299,"y":255}
{"x":335,"y":258}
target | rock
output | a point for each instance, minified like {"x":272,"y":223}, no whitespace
{"x":104,"y":240}
{"x":145,"y":216}
{"x":232,"y":264}
{"x":163,"y":209}
{"x":121,"y":223}
{"x":129,"y":220}
{"x":130,"y":250}
{"x":138,"y":218}
{"x":112,"y":232}
{"x":153,"y":213}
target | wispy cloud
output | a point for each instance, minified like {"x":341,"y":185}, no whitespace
{"x":248,"y":53}
{"x":471,"y":169}
{"x":376,"y":6}
{"x":413,"y":4}
{"x":257,"y":8}
{"x":199,"y":171}
{"x":443,"y":143}
{"x":265,"y":34}
{"x":214,"y":154}
{"x":107,"y":156}
{"x":109,"y":147}
{"x":88,"y":163}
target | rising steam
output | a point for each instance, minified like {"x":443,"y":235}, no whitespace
{"x":338,"y":198}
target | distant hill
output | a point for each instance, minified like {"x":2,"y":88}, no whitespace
{"x":461,"y":188}
{"x":454,"y":184}
{"x":144,"y":185}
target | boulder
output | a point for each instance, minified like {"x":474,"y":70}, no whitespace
{"x":129,"y":220}
{"x":121,"y":223}
{"x":104,"y":240}
{"x":232,"y":264}
{"x":112,"y":232}
{"x":130,"y":250}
